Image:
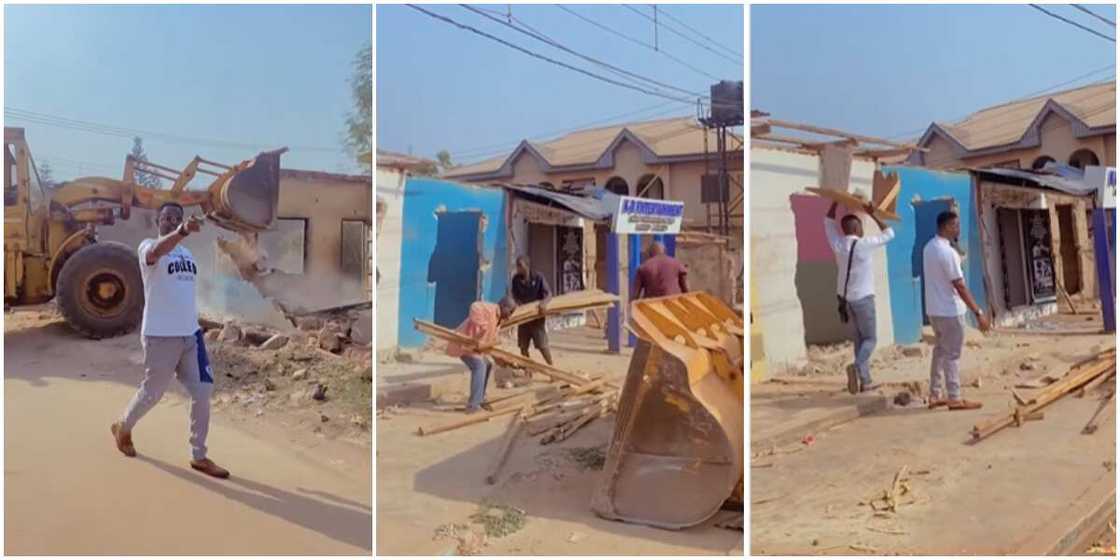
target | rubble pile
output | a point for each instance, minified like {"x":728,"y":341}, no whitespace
{"x":318,"y":373}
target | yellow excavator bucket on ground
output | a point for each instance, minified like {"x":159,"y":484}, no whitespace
{"x":676,"y":456}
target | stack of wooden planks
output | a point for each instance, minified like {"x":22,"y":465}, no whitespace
{"x":1083,"y":376}
{"x":554,"y":411}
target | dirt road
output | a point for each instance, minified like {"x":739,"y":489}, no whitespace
{"x":428,"y":488}
{"x":69,"y":491}
{"x":1020,"y":490}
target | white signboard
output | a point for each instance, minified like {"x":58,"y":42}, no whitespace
{"x":645,"y":216}
{"x":1104,"y":179}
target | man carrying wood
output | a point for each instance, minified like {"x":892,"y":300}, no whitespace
{"x":855,"y":286}
{"x":947,"y":300}
{"x":528,"y":286}
{"x":481,"y":325}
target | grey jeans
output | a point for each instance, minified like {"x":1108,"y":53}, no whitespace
{"x":863,"y":335}
{"x":949,"y":336}
{"x":182,"y":357}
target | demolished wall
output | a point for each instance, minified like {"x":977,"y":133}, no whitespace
{"x":792,"y":262}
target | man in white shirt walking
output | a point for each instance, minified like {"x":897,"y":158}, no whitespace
{"x":855,"y":286}
{"x":173,"y":345}
{"x":947,"y":301}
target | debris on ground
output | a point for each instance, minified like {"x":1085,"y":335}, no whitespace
{"x":589,"y":458}
{"x":902,"y":398}
{"x":267,"y":369}
{"x":499,"y":520}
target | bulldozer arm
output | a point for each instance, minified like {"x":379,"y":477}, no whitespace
{"x":676,"y":456}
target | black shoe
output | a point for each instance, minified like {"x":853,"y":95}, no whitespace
{"x":853,"y":380}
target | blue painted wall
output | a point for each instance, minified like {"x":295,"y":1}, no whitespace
{"x":904,"y":253}
{"x":424,"y":199}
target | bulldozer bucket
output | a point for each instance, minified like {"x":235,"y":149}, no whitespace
{"x":676,"y":456}
{"x":249,"y":199}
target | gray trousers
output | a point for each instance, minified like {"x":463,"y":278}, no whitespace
{"x":184,"y":358}
{"x":949,"y":340}
{"x":863,"y":335}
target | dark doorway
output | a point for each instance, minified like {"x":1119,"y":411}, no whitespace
{"x":1071,"y":264}
{"x":455,"y":266}
{"x":1012,"y":262}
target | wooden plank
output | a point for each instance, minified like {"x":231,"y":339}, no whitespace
{"x":1044,"y":398}
{"x":499,"y":354}
{"x":841,"y":134}
{"x":566,"y":303}
{"x":514,"y":428}
{"x":852,"y":202}
{"x":1096,"y":419}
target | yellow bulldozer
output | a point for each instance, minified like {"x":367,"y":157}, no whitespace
{"x":677,"y":453}
{"x":51,"y":249}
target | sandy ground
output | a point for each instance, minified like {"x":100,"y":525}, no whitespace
{"x":987,"y":498}
{"x":69,"y":491}
{"x":429,"y":487}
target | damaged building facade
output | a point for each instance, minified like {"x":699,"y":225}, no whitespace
{"x":1026,"y":241}
{"x":319,"y":250}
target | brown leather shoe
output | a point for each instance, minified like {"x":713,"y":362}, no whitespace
{"x":935,"y":403}
{"x":123,"y":439}
{"x":964,"y":405}
{"x":207,"y":466}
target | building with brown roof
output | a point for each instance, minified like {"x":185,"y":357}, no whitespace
{"x":1075,"y":127}
{"x":663,"y":159}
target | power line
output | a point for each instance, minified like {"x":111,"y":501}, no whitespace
{"x":1021,"y":98}
{"x":545,"y":58}
{"x":550,"y":133}
{"x":694,"y":30}
{"x":548,"y":40}
{"x":111,"y":130}
{"x":638,"y":42}
{"x":1094,"y":14}
{"x":537,"y":138}
{"x":682,"y":35}
{"x":1071,"y":22}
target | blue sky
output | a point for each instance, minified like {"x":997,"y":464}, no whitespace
{"x":891,"y":70}
{"x":267,"y":76}
{"x":441,"y":87}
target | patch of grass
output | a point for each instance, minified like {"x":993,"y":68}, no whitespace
{"x":499,"y":520}
{"x":589,"y":458}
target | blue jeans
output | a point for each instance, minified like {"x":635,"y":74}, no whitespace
{"x":863,"y":319}
{"x":480,"y":375}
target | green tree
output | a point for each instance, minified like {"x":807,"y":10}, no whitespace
{"x":141,"y":178}
{"x":359,"y":123}
{"x":444,"y":159}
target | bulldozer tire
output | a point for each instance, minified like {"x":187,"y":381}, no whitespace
{"x":100,"y":292}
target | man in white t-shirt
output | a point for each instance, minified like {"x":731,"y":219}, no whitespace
{"x":855,"y":286}
{"x":173,"y":344}
{"x":947,"y":300}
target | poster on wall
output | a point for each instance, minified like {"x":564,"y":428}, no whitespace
{"x":569,"y":259}
{"x":1040,"y":259}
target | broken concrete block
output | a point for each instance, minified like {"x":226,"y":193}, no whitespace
{"x":361,"y":330}
{"x":309,"y":323}
{"x":230,"y":333}
{"x":299,"y":374}
{"x":330,"y":340}
{"x":276,"y":342}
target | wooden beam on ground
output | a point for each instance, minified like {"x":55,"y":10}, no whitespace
{"x":1095,"y":420}
{"x":514,"y":427}
{"x":1047,"y":396}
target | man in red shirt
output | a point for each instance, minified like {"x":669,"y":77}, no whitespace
{"x":661,"y":275}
